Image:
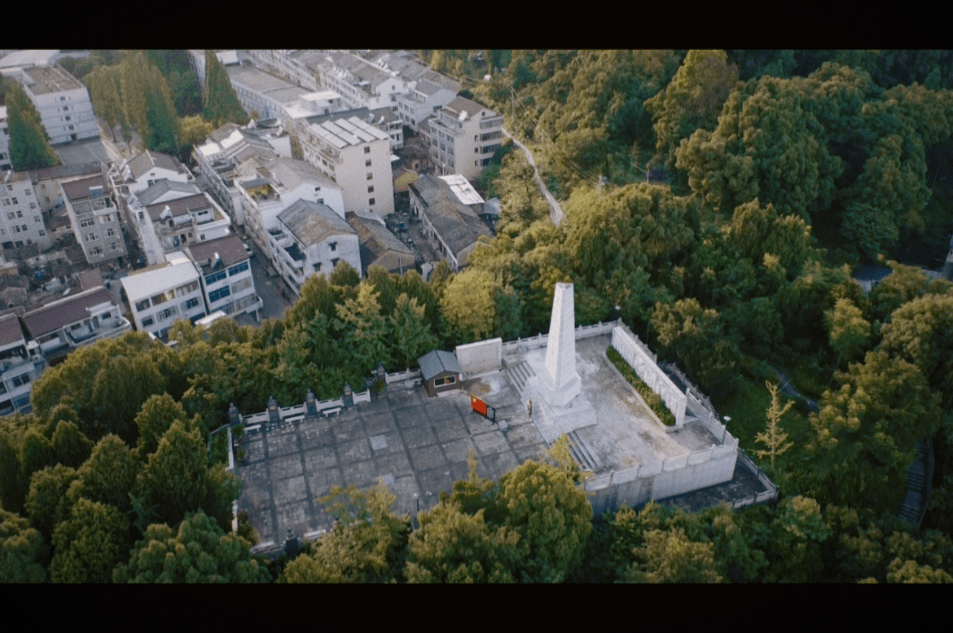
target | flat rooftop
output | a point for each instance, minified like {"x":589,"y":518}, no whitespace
{"x":419,"y":444}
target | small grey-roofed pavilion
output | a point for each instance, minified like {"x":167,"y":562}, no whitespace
{"x":440,"y":371}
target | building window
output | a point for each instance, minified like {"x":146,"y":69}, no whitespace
{"x":448,"y":380}
{"x":20,"y":380}
{"x":239,"y":268}
{"x":214,"y":277}
{"x":367,"y":149}
{"x":370,"y":176}
{"x":334,"y":246}
{"x":146,"y":322}
{"x":370,"y":189}
{"x":218,"y":295}
{"x":367,"y":163}
{"x":370,"y":202}
{"x":191,"y":303}
{"x":317,"y":267}
{"x":142,"y":305}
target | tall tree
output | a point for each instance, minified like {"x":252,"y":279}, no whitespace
{"x":773,"y":438}
{"x":175,"y":475}
{"x":22,"y":550}
{"x":221,"y":103}
{"x":29,"y":142}
{"x":197,"y":552}
{"x":89,"y":544}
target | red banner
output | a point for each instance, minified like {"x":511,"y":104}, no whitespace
{"x":478,"y":405}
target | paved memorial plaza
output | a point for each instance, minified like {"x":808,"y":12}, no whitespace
{"x":419,"y":444}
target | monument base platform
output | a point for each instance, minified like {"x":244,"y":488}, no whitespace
{"x":553,"y":421}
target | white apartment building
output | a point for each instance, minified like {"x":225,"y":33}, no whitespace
{"x":21,"y":363}
{"x":62,"y":101}
{"x":422,"y":101}
{"x":297,"y":66}
{"x":61,"y":326}
{"x":160,"y":295}
{"x":94,"y":218}
{"x":269,"y":188}
{"x":6,"y":163}
{"x":21,"y":218}
{"x":356,"y":155}
{"x":311,"y":239}
{"x":360,"y":83}
{"x":311,"y":104}
{"x":227,"y":281}
{"x":463,"y":137}
{"x":262,"y":93}
{"x":186,"y":220}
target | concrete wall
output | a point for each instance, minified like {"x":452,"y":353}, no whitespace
{"x":476,"y":358}
{"x":540,"y":340}
{"x":675,"y":476}
{"x":644,"y":363}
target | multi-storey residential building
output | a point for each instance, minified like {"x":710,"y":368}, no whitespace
{"x":463,"y":137}
{"x":61,"y":326}
{"x":269,"y":188}
{"x":95,"y":219}
{"x":311,"y":104}
{"x":187,"y":220}
{"x":62,"y":102}
{"x":20,"y":364}
{"x":6,"y":163}
{"x":356,"y":155}
{"x":310,"y":238}
{"x":227,"y":280}
{"x":21,"y":218}
{"x":218,"y":159}
{"x":411,"y":70}
{"x":447,"y":219}
{"x":262,"y":93}
{"x":422,"y":101}
{"x":360,"y":83}
{"x":298,"y":66}
{"x":160,"y":295}
{"x":148,"y":168}
{"x":47,"y":180}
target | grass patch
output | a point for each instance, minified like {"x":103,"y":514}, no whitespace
{"x":747,"y":407}
{"x":651,"y":398}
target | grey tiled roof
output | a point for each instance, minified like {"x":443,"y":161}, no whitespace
{"x":436,"y":362}
{"x":312,"y":223}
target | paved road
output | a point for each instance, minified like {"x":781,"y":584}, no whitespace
{"x":555,"y":212}
{"x":273,"y":303}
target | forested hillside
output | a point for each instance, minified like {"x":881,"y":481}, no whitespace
{"x":718,"y":201}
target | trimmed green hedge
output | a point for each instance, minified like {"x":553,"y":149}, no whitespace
{"x":651,"y":398}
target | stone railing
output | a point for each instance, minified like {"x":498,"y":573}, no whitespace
{"x":643,"y":361}
{"x":540,"y":340}
{"x":769,"y":494}
{"x":400,"y":376}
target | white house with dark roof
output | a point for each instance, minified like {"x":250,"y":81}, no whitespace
{"x":268,"y":188}
{"x":262,"y":93}
{"x":21,"y":363}
{"x":61,"y":326}
{"x":160,"y":295}
{"x":227,"y":281}
{"x":150,"y":167}
{"x":309,"y":239}
{"x":361,"y":83}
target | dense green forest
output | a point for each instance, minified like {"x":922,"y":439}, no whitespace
{"x":720,"y":199}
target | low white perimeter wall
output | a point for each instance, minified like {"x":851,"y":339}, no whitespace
{"x":482,"y":356}
{"x":639,"y":485}
{"x":644,"y":363}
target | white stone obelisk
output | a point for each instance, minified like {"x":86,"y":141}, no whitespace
{"x":559,"y":382}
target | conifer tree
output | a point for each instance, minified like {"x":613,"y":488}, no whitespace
{"x":221,"y":102}
{"x":773,"y":437}
{"x":29,"y":142}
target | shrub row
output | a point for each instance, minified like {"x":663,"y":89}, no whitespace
{"x":651,"y":398}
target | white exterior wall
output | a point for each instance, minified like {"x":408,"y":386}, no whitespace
{"x":5,"y":161}
{"x":66,"y":114}
{"x":180,"y":298}
{"x":98,"y":230}
{"x":475,"y":358}
{"x":347,"y":248}
{"x":21,"y":215}
{"x":155,"y":175}
{"x":241,"y":297}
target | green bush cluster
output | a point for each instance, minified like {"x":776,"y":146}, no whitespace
{"x":651,"y":398}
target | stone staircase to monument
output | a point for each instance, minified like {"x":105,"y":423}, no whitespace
{"x":520,"y":373}
{"x":916,"y":494}
{"x":583,"y":453}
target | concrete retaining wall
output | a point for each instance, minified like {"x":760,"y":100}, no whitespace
{"x":540,"y":340}
{"x":483,"y":356}
{"x":643,"y":361}
{"x":639,"y":485}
